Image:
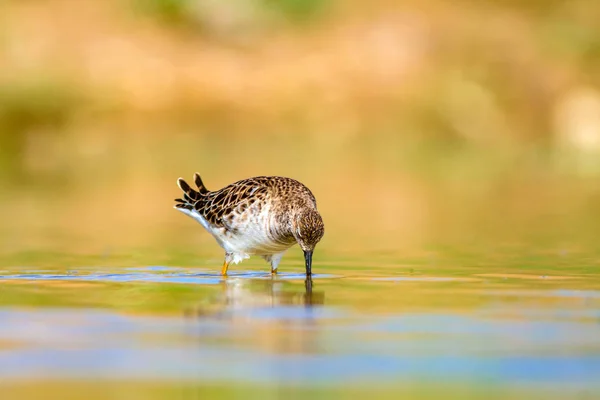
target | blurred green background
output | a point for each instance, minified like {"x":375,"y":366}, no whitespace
{"x":414,"y":122}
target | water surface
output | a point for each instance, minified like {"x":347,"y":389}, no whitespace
{"x":417,"y":329}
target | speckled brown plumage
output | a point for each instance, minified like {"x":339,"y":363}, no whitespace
{"x":263,"y":215}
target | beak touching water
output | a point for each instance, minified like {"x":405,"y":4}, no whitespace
{"x":308,"y":259}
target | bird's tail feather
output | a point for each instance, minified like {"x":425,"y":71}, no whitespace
{"x":190,"y":196}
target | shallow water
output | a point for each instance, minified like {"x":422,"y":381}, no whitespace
{"x":419,"y":329}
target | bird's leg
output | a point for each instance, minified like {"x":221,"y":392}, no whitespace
{"x":224,"y":268}
{"x":226,"y":262}
{"x":269,"y":258}
{"x":274,"y":260}
{"x":229,"y":257}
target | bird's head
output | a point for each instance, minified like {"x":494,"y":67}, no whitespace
{"x":308,"y":229}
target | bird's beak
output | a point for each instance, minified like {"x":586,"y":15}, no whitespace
{"x":308,"y":259}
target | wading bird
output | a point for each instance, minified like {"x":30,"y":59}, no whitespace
{"x":263,"y":216}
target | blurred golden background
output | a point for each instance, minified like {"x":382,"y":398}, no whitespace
{"x":413,"y":122}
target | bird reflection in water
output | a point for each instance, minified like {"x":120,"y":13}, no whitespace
{"x":241,"y":297}
{"x":250,"y":318}
{"x":269,"y":315}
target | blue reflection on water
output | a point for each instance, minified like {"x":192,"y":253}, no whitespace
{"x":100,"y":344}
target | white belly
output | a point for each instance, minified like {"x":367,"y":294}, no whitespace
{"x":245,"y":239}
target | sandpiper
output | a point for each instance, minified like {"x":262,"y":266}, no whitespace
{"x":264,"y":216}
